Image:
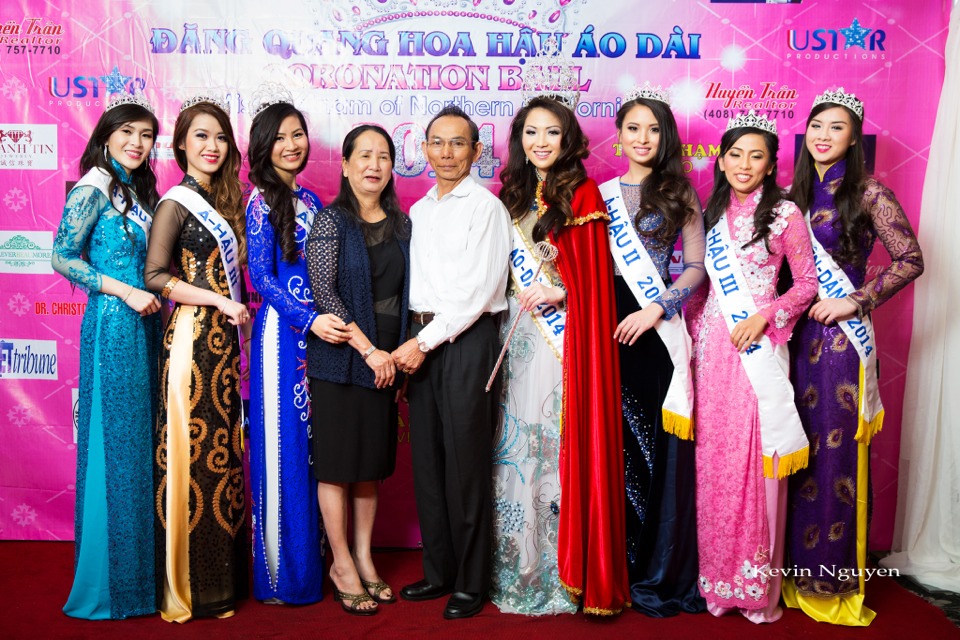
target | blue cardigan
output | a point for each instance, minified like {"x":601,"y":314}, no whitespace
{"x":339,"y":270}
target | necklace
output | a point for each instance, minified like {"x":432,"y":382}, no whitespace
{"x":203,"y":185}
{"x":538,"y":199}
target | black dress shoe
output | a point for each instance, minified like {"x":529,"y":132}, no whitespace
{"x":463,"y":605}
{"x":423,"y":590}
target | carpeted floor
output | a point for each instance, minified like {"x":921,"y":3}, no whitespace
{"x":35,"y":579}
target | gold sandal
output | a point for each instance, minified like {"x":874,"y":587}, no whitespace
{"x":356,"y":599}
{"x":378,"y":588}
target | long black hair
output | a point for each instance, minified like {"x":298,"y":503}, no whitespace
{"x":346,"y":199}
{"x":276,"y":193}
{"x":764,"y":215}
{"x":666,"y":189}
{"x":519,"y":178}
{"x":143,"y":180}
{"x":854,"y":220}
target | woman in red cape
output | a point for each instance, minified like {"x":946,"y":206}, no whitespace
{"x":545,"y":173}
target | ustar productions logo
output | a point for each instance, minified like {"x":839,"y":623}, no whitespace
{"x":28,"y":146}
{"x":855,"y":42}
{"x":26,"y":251}
{"x":28,"y":359}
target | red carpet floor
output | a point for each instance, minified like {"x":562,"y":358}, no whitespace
{"x":35,"y":578}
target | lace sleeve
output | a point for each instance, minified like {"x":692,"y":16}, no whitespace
{"x":897,"y":236}
{"x":791,"y":238}
{"x":80,"y":215}
{"x":694,"y":273}
{"x":164,"y":236}
{"x":262,"y":263}
{"x":324,"y":245}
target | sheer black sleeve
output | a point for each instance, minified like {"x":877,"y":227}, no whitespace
{"x":164,"y":235}
{"x":324,"y":244}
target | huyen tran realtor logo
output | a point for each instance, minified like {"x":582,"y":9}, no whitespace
{"x":28,"y":359}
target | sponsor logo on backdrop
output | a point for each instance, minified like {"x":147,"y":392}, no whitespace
{"x":90,"y":90}
{"x":31,"y":36}
{"x":28,"y":359}
{"x":26,"y":251}
{"x":28,"y":146}
{"x":771,"y":99}
{"x":856,"y":42}
{"x":59,"y":308}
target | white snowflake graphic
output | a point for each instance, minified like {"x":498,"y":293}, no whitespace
{"x":15,"y":199}
{"x":24,"y":515}
{"x":13,"y":89}
{"x":18,"y":416}
{"x":18,"y":304}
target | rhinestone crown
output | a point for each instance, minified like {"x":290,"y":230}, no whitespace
{"x":269,"y":94}
{"x":136,"y":98}
{"x":648,"y":92}
{"x":204,"y":97}
{"x":753,"y":120}
{"x":550,"y":74}
{"x":842,"y":98}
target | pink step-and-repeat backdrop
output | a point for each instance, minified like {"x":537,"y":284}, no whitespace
{"x":396,"y":63}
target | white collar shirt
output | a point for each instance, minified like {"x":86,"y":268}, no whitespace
{"x":459,"y":259}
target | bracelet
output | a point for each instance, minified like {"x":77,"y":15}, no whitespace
{"x":128,"y":294}
{"x":168,"y":288}
{"x":366,"y":354}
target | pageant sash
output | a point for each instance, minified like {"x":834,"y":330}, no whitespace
{"x":305,"y":213}
{"x":223,"y":233}
{"x":832,"y":282}
{"x":641,"y":275}
{"x":100,"y":179}
{"x":767,"y":366}
{"x":216,"y":225}
{"x":550,"y":319}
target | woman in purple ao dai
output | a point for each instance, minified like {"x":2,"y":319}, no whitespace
{"x":836,"y":395}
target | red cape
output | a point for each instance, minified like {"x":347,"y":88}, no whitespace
{"x":591,"y":542}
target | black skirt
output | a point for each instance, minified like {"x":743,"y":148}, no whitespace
{"x":354,"y":432}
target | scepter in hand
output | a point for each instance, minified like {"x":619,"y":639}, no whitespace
{"x":547,"y":253}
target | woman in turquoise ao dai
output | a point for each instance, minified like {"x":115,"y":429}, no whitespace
{"x":100,"y":247}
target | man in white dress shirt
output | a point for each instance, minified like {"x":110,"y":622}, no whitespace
{"x":459,"y":262}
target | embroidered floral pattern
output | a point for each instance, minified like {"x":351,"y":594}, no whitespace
{"x":782,"y":318}
{"x":728,"y":430}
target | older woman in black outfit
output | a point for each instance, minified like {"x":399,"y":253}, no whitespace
{"x":357,"y":257}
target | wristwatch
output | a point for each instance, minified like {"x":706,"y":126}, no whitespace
{"x":423,"y":345}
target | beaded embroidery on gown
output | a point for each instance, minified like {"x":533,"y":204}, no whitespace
{"x":199,"y":457}
{"x":287,"y":551}
{"x":118,"y":389}
{"x":526,"y":452}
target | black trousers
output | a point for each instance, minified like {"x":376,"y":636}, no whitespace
{"x":452,"y":420}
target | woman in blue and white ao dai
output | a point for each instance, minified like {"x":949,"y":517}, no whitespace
{"x":287,"y":553}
